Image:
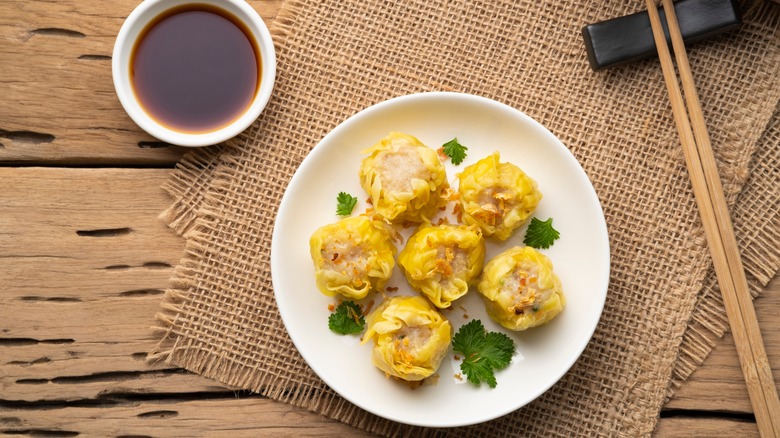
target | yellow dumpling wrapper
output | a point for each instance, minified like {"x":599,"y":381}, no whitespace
{"x":497,"y":197}
{"x":410,"y":337}
{"x":442,"y":261}
{"x":520,"y":289}
{"x":404,"y":178}
{"x":352,"y":257}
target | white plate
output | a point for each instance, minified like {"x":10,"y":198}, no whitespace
{"x":580,"y":258}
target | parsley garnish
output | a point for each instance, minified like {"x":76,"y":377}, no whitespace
{"x":482,"y":351}
{"x":346,"y":203}
{"x":347,"y":319}
{"x":455,"y":150}
{"x":541,"y":234}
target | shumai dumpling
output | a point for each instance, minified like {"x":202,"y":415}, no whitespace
{"x":520,"y":289}
{"x":410,"y":337}
{"x":352,"y":256}
{"x":404,"y":178}
{"x":442,"y":261}
{"x":497,"y":197}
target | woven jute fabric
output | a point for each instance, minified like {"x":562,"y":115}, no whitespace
{"x":335,"y":58}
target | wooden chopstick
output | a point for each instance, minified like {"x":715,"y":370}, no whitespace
{"x":718,"y":228}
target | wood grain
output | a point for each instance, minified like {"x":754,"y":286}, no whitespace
{"x":59,"y":105}
{"x":84,"y":260}
{"x":234,"y":417}
{"x":700,"y":428}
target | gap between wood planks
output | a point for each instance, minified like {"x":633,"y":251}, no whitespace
{"x":49,"y":164}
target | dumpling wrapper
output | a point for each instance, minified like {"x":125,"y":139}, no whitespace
{"x":442,"y":261}
{"x":520,"y":289}
{"x":405,"y":179}
{"x":411,"y":337}
{"x":497,"y":197}
{"x":352,"y":257}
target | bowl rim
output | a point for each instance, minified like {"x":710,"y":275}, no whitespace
{"x":137,"y":21}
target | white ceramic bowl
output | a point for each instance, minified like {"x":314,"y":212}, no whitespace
{"x":120,"y":65}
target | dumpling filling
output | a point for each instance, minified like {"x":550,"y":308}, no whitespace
{"x":348,"y":259}
{"x":398,"y":169}
{"x":408,"y":341}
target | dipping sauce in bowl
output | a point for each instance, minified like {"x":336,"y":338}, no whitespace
{"x":194,"y":73}
{"x":195,"y":68}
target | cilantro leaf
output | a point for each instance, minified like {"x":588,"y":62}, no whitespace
{"x":455,"y":150}
{"x":541,"y":234}
{"x":483,"y":352}
{"x":347,"y":319}
{"x":346,"y":203}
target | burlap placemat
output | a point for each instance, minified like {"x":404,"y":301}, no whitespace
{"x":337,"y":57}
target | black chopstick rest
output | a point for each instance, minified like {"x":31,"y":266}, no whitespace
{"x":624,"y":40}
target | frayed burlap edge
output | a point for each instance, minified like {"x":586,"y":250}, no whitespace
{"x":190,"y":179}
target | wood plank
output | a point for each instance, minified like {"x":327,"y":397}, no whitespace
{"x":240,"y":417}
{"x":108,"y":215}
{"x":718,"y":384}
{"x":59,"y":105}
{"x":704,"y":428}
{"x":81,"y":234}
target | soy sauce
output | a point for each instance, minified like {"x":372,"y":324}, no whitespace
{"x":195,"y":68}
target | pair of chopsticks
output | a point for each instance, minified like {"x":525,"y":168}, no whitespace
{"x":718,"y":229}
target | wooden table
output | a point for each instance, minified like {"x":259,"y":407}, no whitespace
{"x":84,"y":259}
